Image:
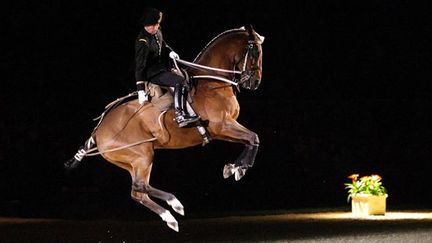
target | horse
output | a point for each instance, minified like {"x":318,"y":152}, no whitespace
{"x":128,"y":134}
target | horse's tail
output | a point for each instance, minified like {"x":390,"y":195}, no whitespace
{"x":82,"y":152}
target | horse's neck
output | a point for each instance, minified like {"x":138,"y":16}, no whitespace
{"x":216,"y":60}
{"x":219,"y":55}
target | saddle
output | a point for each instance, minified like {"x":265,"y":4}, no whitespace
{"x":162,"y":98}
{"x":159,"y":96}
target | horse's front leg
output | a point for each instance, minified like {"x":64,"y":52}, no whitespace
{"x":242,"y":163}
{"x":235,"y":132}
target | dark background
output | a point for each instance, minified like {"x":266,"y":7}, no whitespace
{"x":346,"y":89}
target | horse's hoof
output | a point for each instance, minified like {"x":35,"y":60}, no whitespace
{"x":239,"y":173}
{"x":176,"y":205}
{"x":228,"y":170}
{"x":170,"y":220}
{"x":173,"y":225}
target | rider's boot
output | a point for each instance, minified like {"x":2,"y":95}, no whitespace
{"x":182,"y":117}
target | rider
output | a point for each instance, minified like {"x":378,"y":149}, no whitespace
{"x":153,"y":64}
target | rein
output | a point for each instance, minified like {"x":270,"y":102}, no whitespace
{"x":88,"y":152}
{"x":245,"y":75}
{"x":203,"y":67}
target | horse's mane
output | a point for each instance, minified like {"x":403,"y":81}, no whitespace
{"x":217,"y":37}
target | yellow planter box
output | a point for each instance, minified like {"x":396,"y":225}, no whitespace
{"x":365,"y":205}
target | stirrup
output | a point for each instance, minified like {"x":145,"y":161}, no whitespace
{"x":183,"y":120}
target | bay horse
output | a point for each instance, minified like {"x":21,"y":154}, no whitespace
{"x":117,"y":133}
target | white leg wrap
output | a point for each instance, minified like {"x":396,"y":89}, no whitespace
{"x":80,"y":154}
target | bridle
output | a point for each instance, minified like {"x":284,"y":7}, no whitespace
{"x":251,"y":56}
{"x":241,"y":75}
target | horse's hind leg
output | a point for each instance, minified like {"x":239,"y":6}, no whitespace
{"x":168,"y":197}
{"x":162,"y":212}
{"x":141,"y":190}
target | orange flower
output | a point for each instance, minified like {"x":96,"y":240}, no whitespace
{"x":375,"y":177}
{"x":353,"y":177}
{"x":365,"y":185}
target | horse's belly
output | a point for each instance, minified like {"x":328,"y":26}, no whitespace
{"x":128,"y":124}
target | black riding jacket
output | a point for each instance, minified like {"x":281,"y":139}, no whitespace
{"x":151,"y":55}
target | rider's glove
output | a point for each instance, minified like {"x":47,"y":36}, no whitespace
{"x":142,"y":96}
{"x":174,"y":55}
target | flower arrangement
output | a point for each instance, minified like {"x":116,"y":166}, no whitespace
{"x":366,"y":185}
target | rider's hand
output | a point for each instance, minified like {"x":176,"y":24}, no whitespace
{"x":174,"y":55}
{"x":142,"y":97}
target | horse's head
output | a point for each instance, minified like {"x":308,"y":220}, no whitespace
{"x":239,"y":51}
{"x":249,"y":62}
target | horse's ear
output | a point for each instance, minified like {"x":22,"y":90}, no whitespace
{"x":249,"y":28}
{"x":250,"y":31}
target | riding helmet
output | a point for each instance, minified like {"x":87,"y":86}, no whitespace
{"x":151,"y":16}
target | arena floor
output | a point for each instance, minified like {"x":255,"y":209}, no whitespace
{"x":313,"y":226}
